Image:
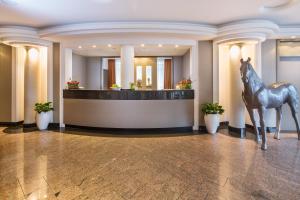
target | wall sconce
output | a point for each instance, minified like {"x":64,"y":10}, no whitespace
{"x":235,"y":51}
{"x":33,"y":54}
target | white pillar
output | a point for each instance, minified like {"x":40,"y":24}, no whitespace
{"x":194,"y":74}
{"x":237,"y":107}
{"x":127,"y":66}
{"x":32,"y":84}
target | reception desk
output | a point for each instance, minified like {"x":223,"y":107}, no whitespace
{"x":127,"y":109}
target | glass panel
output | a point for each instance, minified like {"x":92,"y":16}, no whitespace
{"x":118,"y":71}
{"x":139,"y":73}
{"x":160,"y":73}
{"x":148,"y":75}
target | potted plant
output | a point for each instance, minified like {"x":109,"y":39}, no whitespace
{"x":73,"y":85}
{"x":211,"y":113}
{"x":115,"y":87}
{"x":43,"y":114}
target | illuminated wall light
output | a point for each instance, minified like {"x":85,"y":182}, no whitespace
{"x":176,"y":46}
{"x":235,"y":51}
{"x":33,"y":54}
{"x":94,"y":46}
{"x":160,"y":45}
{"x":293,"y":37}
{"x":79,"y":47}
{"x":142,"y":45}
{"x":109,"y":45}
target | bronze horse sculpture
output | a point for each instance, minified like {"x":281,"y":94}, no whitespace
{"x":257,"y":96}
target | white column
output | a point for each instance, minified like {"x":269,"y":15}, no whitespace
{"x":31,"y":89}
{"x":194,"y":74}
{"x":18,"y":62}
{"x":127,"y":66}
{"x":237,"y":107}
{"x":68,"y":64}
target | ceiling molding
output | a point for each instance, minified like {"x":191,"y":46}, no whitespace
{"x":288,"y":31}
{"x":130,"y":27}
{"x":255,"y":29}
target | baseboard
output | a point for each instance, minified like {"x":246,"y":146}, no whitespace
{"x":10,"y":124}
{"x":133,"y":130}
{"x":237,"y":132}
{"x":32,"y":125}
{"x":250,"y":128}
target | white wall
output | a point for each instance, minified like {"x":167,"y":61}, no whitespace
{"x":289,"y":71}
{"x":79,"y":69}
{"x":186,"y":65}
{"x":205,"y":63}
{"x":268,"y":72}
{"x":177,"y":69}
{"x":93,"y":73}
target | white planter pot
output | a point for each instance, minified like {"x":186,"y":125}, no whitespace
{"x":212,"y":122}
{"x":43,"y":120}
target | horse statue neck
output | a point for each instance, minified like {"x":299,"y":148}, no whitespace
{"x":254,"y":82}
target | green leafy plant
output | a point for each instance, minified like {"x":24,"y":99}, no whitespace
{"x":212,"y":108}
{"x":43,"y":107}
{"x":115,"y":86}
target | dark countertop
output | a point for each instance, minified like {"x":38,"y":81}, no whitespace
{"x":129,"y":94}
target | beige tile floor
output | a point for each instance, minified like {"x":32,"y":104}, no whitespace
{"x":76,"y":165}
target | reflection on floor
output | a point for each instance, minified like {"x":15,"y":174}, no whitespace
{"x":72,"y":165}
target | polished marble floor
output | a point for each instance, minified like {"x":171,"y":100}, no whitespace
{"x":75,"y":165}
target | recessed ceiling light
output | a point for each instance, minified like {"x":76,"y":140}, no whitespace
{"x":109,"y":45}
{"x":176,"y":46}
{"x":293,"y":37}
{"x":277,"y":5}
{"x":79,"y":47}
{"x":160,"y":45}
{"x":10,"y":2}
{"x":142,"y":45}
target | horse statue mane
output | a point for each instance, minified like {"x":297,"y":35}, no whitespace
{"x":257,"y":95}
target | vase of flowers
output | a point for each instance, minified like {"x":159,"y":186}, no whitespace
{"x":73,"y":85}
{"x":115,"y":87}
{"x":185,"y":84}
{"x":43,"y":115}
{"x":211,"y":112}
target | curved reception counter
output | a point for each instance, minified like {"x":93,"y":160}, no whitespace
{"x":127,"y":109}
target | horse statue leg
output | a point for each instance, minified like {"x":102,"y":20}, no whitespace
{"x":278,"y":122}
{"x":261,"y":112}
{"x":295,"y":116}
{"x":251,"y":114}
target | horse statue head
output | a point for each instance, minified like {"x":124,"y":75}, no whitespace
{"x":245,"y":70}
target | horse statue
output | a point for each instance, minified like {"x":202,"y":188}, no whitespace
{"x":257,"y":96}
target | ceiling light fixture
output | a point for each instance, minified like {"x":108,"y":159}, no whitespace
{"x":160,"y":45}
{"x":10,"y":2}
{"x":109,"y":45}
{"x":278,"y":5}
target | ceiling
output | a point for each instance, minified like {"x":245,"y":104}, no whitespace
{"x":46,"y":13}
{"x":139,"y":50}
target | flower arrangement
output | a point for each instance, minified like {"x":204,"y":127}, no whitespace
{"x":132,"y":86}
{"x":139,"y":83}
{"x":212,"y":108}
{"x":43,"y":107}
{"x":115,"y":87}
{"x":184,"y":84}
{"x":73,"y":84}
